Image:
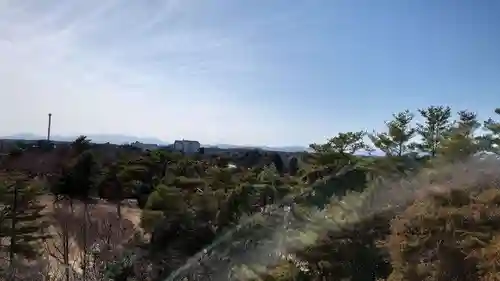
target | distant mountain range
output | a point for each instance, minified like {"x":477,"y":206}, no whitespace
{"x":122,"y":139}
{"x":269,"y":148}
{"x":98,"y":138}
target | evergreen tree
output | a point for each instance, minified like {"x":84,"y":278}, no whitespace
{"x":395,"y":142}
{"x":278,"y":163}
{"x":339,"y":148}
{"x":436,"y":123}
{"x":492,"y":138}
{"x":77,"y":182}
{"x":112,"y":188}
{"x":22,"y":223}
{"x":293,"y":166}
{"x":460,"y":141}
{"x":80,"y":145}
{"x":78,"y":178}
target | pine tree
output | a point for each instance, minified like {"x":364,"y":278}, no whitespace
{"x":77,"y":181}
{"x":436,"y":123}
{"x":112,"y":188}
{"x":395,"y":142}
{"x":459,"y":141}
{"x":339,"y":149}
{"x":21,"y":219}
{"x":492,"y":138}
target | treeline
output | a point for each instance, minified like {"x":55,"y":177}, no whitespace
{"x":439,"y":133}
{"x":187,"y":201}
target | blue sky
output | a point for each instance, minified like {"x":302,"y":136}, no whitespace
{"x":243,"y":72}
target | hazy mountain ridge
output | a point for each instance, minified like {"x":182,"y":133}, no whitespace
{"x":97,"y":138}
{"x":122,"y":139}
{"x":271,"y":148}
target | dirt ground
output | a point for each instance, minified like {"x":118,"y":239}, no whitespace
{"x":102,"y":229}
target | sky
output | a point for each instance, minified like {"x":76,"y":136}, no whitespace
{"x":274,"y":72}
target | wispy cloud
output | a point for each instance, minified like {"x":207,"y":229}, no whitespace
{"x":135,"y":67}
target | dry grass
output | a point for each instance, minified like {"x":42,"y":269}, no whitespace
{"x":104,"y":231}
{"x":442,"y":224}
{"x":451,"y":229}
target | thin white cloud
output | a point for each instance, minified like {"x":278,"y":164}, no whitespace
{"x":136,"y":68}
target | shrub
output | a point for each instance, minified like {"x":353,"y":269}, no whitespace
{"x":447,"y":235}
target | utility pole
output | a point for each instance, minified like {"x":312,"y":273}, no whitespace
{"x":48,"y":129}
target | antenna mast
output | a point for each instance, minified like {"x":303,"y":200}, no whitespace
{"x":48,"y":128}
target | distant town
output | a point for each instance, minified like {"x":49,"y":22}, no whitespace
{"x":185,"y":146}
{"x":148,"y":143}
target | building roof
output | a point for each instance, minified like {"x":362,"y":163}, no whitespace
{"x":186,"y":141}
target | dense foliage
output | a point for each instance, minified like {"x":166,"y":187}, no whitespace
{"x":426,"y":210}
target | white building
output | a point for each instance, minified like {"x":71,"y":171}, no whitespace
{"x":187,"y":146}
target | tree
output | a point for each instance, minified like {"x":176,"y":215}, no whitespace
{"x":278,"y":163}
{"x":436,"y":123}
{"x":459,"y":141}
{"x":269,"y":174}
{"x":492,"y":137}
{"x":111,"y":187}
{"x":395,"y":142}
{"x":342,"y":147}
{"x":21,"y":218}
{"x":220,"y":178}
{"x":293,"y":166}
{"x":81,"y":144}
{"x":84,"y":173}
{"x":78,"y":178}
{"x":77,"y":182}
{"x":169,"y":200}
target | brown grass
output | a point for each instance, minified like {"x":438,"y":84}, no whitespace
{"x":103,"y":228}
{"x":451,"y":230}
